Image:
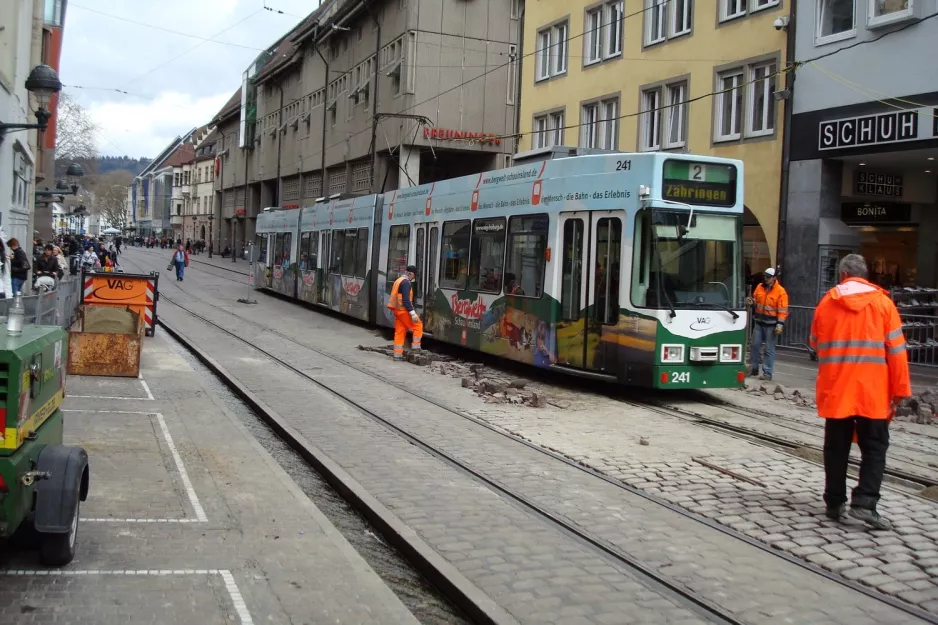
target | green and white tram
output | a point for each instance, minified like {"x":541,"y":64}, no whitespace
{"x":626,"y":267}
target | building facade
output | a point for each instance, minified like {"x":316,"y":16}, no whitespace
{"x":368,"y":97}
{"x":864,"y":145}
{"x":152,"y":192}
{"x":676,"y":75}
{"x":196,"y":224}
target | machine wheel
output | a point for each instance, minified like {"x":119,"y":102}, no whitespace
{"x":59,"y":549}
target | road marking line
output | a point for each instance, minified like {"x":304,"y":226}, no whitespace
{"x":147,"y":389}
{"x":106,"y":411}
{"x":118,"y":520}
{"x":150,"y":398}
{"x":241,"y":608}
{"x":190,"y":491}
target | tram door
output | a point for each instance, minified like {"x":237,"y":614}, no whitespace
{"x":325,"y":257}
{"x":591,"y":250}
{"x":426,"y":254}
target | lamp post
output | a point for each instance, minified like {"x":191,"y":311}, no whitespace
{"x":74,"y":174}
{"x":43,"y":83}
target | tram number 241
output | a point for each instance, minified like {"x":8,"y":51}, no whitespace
{"x":680,"y":377}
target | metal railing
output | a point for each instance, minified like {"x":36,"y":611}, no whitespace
{"x":58,"y":307}
{"x":797,"y":328}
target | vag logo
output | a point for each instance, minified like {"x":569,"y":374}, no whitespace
{"x":701,"y":324}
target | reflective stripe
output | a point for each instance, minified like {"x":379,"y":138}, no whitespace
{"x":848,"y":344}
{"x":783,"y":310}
{"x":894,"y":334}
{"x":897,"y":349}
{"x":852,"y":359}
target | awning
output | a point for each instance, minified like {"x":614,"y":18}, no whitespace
{"x":835,"y":232}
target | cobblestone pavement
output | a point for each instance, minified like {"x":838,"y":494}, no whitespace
{"x":188,"y":521}
{"x":481,"y":534}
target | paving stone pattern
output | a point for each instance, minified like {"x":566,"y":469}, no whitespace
{"x":749,"y":581}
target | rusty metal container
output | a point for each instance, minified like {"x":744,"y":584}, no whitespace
{"x":107,"y":341}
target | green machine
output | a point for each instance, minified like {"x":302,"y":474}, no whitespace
{"x":42,"y":481}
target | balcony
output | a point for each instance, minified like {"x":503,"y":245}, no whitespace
{"x":176,"y":220}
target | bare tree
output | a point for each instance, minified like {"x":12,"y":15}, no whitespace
{"x":108,"y":193}
{"x":75,"y":139}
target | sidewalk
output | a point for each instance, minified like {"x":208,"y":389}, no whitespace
{"x":189,"y":520}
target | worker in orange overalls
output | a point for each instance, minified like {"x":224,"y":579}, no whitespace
{"x":863,"y":372}
{"x":770,"y":302}
{"x":401,"y":302}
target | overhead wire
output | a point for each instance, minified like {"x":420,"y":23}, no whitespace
{"x":868,"y":91}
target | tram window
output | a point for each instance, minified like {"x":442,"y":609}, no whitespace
{"x":487,"y":258}
{"x":454,"y":255}
{"x":361,"y":253}
{"x":303,"y":259}
{"x":421,"y":249}
{"x":261,"y":246}
{"x":338,"y":248}
{"x":525,"y":264}
{"x":349,"y":256}
{"x":430,"y":280}
{"x":398,"y":243}
{"x":606,"y":281}
{"x":312,"y":252}
{"x":282,"y":242}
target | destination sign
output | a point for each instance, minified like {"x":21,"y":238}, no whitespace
{"x":705,"y":184}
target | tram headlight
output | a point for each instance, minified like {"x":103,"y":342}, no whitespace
{"x":672,"y":353}
{"x":731,"y":353}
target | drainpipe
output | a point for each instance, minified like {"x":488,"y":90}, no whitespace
{"x":279,"y":149}
{"x":786,"y":139}
{"x":322,"y":166}
{"x":374,"y":99}
{"x":518,"y":82}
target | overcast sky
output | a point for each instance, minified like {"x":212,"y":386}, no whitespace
{"x":169,"y":95}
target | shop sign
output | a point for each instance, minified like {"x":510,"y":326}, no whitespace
{"x":875,"y":212}
{"x":289,"y":206}
{"x":872,"y":183}
{"x":447,"y":134}
{"x":239,"y":212}
{"x":895,"y":127}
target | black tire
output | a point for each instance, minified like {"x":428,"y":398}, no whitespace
{"x":59,"y":549}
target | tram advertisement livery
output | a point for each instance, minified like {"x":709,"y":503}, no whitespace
{"x":622,"y":266}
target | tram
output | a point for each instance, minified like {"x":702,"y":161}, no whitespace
{"x":624,"y":267}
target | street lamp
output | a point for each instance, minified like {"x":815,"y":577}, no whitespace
{"x":74,"y":173}
{"x":43,"y":83}
{"x":211,"y":233}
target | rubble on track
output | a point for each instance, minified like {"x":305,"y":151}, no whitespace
{"x":492,"y":386}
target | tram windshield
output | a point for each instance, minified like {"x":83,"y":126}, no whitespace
{"x":679,"y":267}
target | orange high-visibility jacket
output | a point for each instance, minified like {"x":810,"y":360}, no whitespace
{"x":400,"y":300}
{"x":771,"y":306}
{"x":862,"y":363}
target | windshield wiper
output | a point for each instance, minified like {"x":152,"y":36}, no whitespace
{"x":725,"y":307}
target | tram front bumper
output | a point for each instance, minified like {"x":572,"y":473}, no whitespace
{"x":699,"y":376}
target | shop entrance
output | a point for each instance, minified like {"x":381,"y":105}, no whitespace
{"x":891,"y":254}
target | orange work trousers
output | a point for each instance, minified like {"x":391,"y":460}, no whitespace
{"x":403,"y":323}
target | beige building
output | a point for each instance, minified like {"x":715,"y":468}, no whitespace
{"x":678,"y":75}
{"x":360,"y":99}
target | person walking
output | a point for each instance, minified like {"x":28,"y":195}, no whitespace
{"x":863,"y":372}
{"x":6,"y":284}
{"x":180,"y":260}
{"x":60,"y":257}
{"x":19,"y":265}
{"x":770,"y":303}
{"x":405,"y":317}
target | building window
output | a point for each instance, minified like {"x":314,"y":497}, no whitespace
{"x":594,"y":35}
{"x":731,"y":9}
{"x":548,"y":130}
{"x":681,"y":16}
{"x":614,"y":17}
{"x":600,"y":124}
{"x":411,"y":56}
{"x":540,"y":132}
{"x":552,"y":51}
{"x":888,"y":11}
{"x":651,"y":119}
{"x":677,"y":105}
{"x":656,"y":16}
{"x":761,"y":101}
{"x":729,"y":106}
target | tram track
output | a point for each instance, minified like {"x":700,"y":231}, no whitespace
{"x":716,"y":613}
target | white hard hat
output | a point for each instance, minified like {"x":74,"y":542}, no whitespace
{"x":770,"y":272}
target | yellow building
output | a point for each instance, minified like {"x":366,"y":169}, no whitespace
{"x":692,"y":76}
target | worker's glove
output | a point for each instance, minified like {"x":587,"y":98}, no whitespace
{"x":414,"y":317}
{"x":778,"y":329}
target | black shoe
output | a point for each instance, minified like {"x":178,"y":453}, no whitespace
{"x":835,"y":512}
{"x":871,"y":518}
{"x":754,"y":373}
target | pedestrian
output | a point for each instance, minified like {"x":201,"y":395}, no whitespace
{"x":60,"y":257}
{"x":47,"y":265}
{"x":19,"y":265}
{"x":6,"y":285}
{"x":180,"y":261}
{"x":405,"y":317}
{"x":89,"y":259}
{"x":188,"y":246}
{"x":770,"y":302}
{"x":117,"y":244}
{"x":863,"y":373}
